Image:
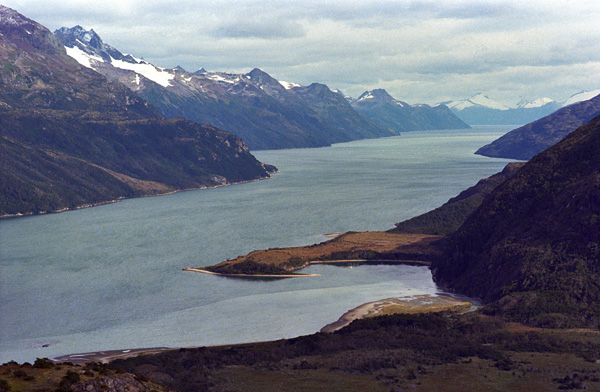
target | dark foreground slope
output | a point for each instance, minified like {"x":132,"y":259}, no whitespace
{"x":435,"y":352}
{"x":532,"y":248}
{"x":70,"y":138}
{"x":528,"y":140}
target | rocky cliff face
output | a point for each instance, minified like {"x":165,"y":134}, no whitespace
{"x":531,"y":248}
{"x":71,"y":138}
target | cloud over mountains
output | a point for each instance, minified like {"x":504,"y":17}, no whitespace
{"x":419,"y":51}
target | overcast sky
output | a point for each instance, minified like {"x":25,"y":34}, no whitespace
{"x":419,"y":51}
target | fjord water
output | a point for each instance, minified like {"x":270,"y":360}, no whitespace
{"x":110,"y":277}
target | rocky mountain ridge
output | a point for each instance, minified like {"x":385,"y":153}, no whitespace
{"x":383,"y":109}
{"x":254,"y":106}
{"x":264,"y":112}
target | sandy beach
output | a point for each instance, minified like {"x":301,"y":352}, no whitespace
{"x":409,"y":305}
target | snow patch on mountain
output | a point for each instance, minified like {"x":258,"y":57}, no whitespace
{"x":365,"y":96}
{"x":156,"y":74}
{"x":288,"y":85}
{"x":82,"y":57}
{"x":222,"y":77}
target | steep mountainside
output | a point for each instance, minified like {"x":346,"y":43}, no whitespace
{"x":71,"y":138}
{"x":447,"y":218}
{"x":525,"y":142}
{"x":254,"y":106}
{"x":532,"y":246}
{"x":336,"y":109}
{"x":381,"y":108}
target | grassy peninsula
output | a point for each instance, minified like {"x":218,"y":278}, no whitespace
{"x":347,"y":248}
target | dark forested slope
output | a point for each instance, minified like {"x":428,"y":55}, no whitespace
{"x":533,"y":247}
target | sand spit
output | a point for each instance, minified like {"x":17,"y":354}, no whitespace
{"x":250,"y":275}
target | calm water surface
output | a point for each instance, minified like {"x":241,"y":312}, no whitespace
{"x":111,"y":277}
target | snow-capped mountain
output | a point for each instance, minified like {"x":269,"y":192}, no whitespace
{"x":383,"y":109}
{"x":537,"y":103}
{"x":478,"y":100}
{"x":266,"y":113}
{"x":481,"y":110}
{"x":580,"y":97}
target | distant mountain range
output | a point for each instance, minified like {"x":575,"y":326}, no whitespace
{"x":386,"y":111}
{"x":71,"y":138}
{"x":531,"y":139}
{"x":481,"y":110}
{"x":264,"y":112}
{"x":531,"y":249}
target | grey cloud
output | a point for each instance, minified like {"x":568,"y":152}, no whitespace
{"x":260,"y":29}
{"x":421,"y":51}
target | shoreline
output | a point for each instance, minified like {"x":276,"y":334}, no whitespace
{"x":424,"y":303}
{"x":372,"y":261}
{"x":109,"y":355}
{"x":80,"y":207}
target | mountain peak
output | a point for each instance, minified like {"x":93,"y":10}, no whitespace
{"x":265,"y":82}
{"x":378,"y":94}
{"x":89,"y":38}
{"x":258,"y":73}
{"x":27,"y":34}
{"x":10,"y":17}
{"x":89,"y":42}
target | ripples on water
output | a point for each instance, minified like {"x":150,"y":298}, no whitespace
{"x":110,"y":277}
